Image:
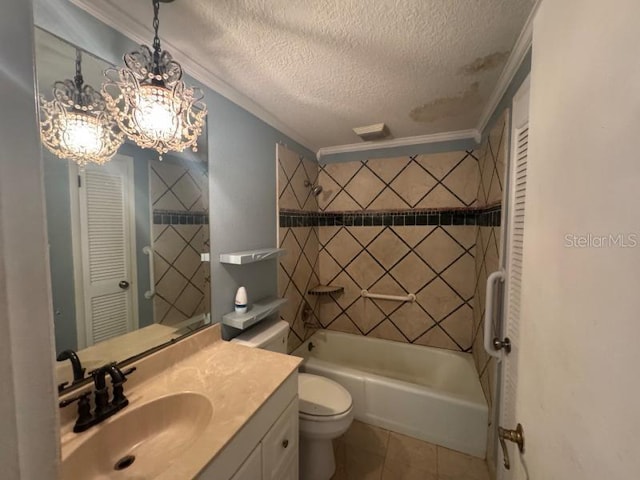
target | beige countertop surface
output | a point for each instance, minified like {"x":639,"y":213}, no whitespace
{"x":237,"y":381}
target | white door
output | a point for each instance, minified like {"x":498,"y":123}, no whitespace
{"x":104,"y":223}
{"x":514,"y":247}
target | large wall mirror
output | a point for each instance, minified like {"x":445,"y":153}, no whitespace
{"x":126,"y":238}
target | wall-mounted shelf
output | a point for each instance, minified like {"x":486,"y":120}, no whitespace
{"x":259,"y":310}
{"x":325,"y":290}
{"x":251,"y":256}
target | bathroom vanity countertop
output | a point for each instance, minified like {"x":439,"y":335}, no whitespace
{"x":236,"y":379}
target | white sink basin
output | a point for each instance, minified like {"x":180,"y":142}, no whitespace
{"x":145,"y":440}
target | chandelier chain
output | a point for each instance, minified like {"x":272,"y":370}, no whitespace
{"x":156,"y":27}
{"x":78,"y":62}
{"x":78,"y":80}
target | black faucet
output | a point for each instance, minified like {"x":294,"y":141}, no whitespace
{"x":118,"y":377}
{"x":103,"y":407}
{"x":78,"y":371}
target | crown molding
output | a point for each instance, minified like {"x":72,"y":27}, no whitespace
{"x":112,"y":16}
{"x":519,"y":51}
{"x":400,"y":142}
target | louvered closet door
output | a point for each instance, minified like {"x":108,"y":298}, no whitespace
{"x":106,"y":210}
{"x":516,"y":216}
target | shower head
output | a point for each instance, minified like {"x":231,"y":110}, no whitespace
{"x":315,"y":189}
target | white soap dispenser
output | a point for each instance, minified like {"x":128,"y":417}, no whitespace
{"x":241,"y":300}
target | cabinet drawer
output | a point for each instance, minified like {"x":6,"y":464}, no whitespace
{"x":280,"y":444}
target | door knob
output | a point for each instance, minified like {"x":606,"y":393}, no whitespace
{"x":516,"y":436}
{"x":123,"y":284}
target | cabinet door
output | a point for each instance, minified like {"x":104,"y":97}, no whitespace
{"x":251,"y":469}
{"x":288,"y":471}
{"x":280,"y":446}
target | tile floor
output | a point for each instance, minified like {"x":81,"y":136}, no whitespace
{"x":366,"y":452}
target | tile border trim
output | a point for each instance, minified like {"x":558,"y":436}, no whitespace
{"x":171,"y":217}
{"x":489,"y":216}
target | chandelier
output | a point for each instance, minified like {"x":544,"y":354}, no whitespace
{"x":150,"y":102}
{"x":75,"y":124}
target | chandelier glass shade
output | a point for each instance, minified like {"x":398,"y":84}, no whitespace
{"x":151,"y":103}
{"x":75,"y":125}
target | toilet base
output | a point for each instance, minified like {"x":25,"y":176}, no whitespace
{"x":317,"y":461}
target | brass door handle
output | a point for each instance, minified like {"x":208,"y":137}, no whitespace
{"x":516,"y":436}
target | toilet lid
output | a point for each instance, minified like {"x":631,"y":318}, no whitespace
{"x":321,"y":396}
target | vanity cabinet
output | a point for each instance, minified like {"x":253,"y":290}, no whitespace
{"x":280,"y":447}
{"x":267,"y":447}
{"x":251,"y":469}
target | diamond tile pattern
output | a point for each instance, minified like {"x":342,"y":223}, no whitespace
{"x":297,"y":273}
{"x":182,"y":281}
{"x":178,"y":187}
{"x":423,"y":181}
{"x":390,"y":260}
{"x":293,"y":172}
{"x":298,"y":269}
{"x":492,"y":164}
{"x":435,"y":262}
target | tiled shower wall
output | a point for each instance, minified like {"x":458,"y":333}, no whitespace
{"x":179,"y":196}
{"x":421,"y":240}
{"x":427,"y":225}
{"x":492,"y":157}
{"x":298,"y":269}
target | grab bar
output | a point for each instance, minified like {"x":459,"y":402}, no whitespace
{"x":489,"y":301}
{"x":152,"y":282}
{"x":397,"y":298}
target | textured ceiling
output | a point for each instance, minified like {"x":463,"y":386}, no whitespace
{"x":322,"y":67}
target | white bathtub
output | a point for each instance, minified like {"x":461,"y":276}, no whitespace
{"x":427,"y":393}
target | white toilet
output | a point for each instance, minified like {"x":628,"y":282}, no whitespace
{"x":325,"y":407}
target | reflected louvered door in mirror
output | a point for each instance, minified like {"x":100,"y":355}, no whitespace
{"x":105,"y":212}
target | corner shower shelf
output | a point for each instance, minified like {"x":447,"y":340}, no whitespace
{"x":259,"y":310}
{"x":325,"y":290}
{"x":251,"y":256}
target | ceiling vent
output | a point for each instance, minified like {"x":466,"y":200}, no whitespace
{"x":377,"y":131}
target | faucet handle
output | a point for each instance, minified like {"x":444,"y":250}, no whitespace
{"x":85,"y":419}
{"x":78,"y":398}
{"x":119,"y":399}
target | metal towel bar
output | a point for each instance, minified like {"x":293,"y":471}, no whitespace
{"x":396,"y":298}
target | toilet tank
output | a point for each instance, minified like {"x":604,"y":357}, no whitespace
{"x":269,"y":335}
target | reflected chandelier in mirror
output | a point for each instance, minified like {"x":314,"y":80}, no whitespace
{"x":75,"y":124}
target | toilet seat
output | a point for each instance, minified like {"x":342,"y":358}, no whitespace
{"x":322,"y":399}
{"x":326,"y":418}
